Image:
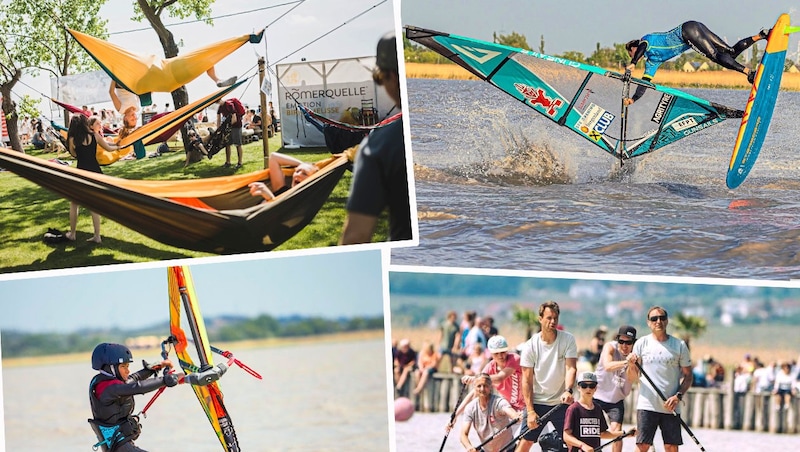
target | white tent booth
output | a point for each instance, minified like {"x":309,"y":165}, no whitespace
{"x":341,"y":90}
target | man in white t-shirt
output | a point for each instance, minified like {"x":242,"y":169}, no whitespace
{"x":549,"y":366}
{"x":665,"y":359}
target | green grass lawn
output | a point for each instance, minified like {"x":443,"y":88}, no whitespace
{"x":27,"y":211}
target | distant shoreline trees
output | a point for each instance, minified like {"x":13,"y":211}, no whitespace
{"x":608,"y":57}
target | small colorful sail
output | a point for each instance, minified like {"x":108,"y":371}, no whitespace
{"x":182,"y":299}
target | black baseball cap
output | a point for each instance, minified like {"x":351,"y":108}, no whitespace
{"x":627,"y":331}
{"x":386,"y":54}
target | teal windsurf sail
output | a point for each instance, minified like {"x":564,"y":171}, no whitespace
{"x":584,"y":98}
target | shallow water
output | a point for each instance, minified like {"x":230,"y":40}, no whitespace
{"x":425,"y":432}
{"x":668,"y":213}
{"x":313,"y":397}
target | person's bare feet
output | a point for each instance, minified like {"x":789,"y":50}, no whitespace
{"x":70,"y":236}
{"x":94,"y":239}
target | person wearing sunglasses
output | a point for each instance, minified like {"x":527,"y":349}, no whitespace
{"x":666,"y":361}
{"x":615,"y":374}
{"x":584,"y":424}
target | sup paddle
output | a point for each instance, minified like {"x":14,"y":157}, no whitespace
{"x":661,"y":394}
{"x":619,"y":438}
{"x":479,"y":447}
{"x":542,"y":421}
{"x":453,"y":415}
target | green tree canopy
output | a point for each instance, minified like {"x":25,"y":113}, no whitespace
{"x":34,"y":39}
{"x":514,"y":40}
{"x":152,"y":11}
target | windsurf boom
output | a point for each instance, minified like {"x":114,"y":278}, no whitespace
{"x":584,"y":98}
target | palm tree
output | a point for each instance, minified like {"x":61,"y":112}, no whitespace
{"x":689,"y":326}
{"x":526,"y":317}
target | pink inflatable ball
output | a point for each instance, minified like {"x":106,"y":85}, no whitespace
{"x":403,"y":409}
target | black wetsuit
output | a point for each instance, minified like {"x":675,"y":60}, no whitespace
{"x":657,"y":48}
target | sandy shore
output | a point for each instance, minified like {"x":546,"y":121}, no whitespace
{"x":153,"y":352}
{"x":704,"y":79}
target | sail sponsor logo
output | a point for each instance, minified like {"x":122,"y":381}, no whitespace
{"x":553,"y":59}
{"x":586,"y":93}
{"x":595,"y":121}
{"x":536,"y":96}
{"x":479,"y":55}
{"x":684,"y":122}
{"x":663,"y":104}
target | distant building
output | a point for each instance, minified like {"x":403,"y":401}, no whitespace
{"x":695,"y":66}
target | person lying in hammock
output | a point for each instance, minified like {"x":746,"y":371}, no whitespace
{"x":277,"y":180}
{"x":656,"y":48}
{"x":127,"y":104}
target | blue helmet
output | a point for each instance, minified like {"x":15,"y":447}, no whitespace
{"x":110,"y":354}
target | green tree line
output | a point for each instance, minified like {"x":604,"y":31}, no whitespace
{"x":22,"y":344}
{"x":608,"y":57}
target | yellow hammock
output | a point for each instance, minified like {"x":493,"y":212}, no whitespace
{"x":179,"y":116}
{"x":142,"y":74}
{"x":158,"y":126}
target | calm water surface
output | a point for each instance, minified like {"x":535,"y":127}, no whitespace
{"x":313,"y":397}
{"x":486,"y":167}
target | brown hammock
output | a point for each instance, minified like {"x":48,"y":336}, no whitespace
{"x":214,"y":215}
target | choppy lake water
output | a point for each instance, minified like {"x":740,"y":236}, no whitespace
{"x":314,"y":397}
{"x":485,"y":198}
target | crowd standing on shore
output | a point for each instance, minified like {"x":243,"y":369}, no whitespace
{"x":540,"y":377}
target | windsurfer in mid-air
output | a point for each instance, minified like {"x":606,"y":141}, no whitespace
{"x":111,"y":395}
{"x":656,"y":48}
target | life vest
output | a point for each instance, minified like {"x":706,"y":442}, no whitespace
{"x":113,"y":424}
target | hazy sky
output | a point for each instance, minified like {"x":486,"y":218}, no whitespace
{"x":329,"y":285}
{"x":580,"y":24}
{"x":305,"y":23}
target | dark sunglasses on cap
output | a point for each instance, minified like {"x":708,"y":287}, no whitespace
{"x":589,"y":385}
{"x":621,"y":342}
{"x":663,"y":318}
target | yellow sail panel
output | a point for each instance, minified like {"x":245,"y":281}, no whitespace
{"x":182,"y":298}
{"x":193,"y":311}
{"x":143,"y":74}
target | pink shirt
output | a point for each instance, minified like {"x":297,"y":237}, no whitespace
{"x":511,"y":387}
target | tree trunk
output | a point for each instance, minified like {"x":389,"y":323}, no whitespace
{"x":180,"y":97}
{"x":10,"y":111}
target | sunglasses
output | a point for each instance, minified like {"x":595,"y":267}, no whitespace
{"x":621,"y":342}
{"x":587,"y":385}
{"x":655,"y":318}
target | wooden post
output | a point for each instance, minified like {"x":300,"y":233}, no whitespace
{"x":264,"y":130}
{"x":697,"y":409}
{"x":748,"y":418}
